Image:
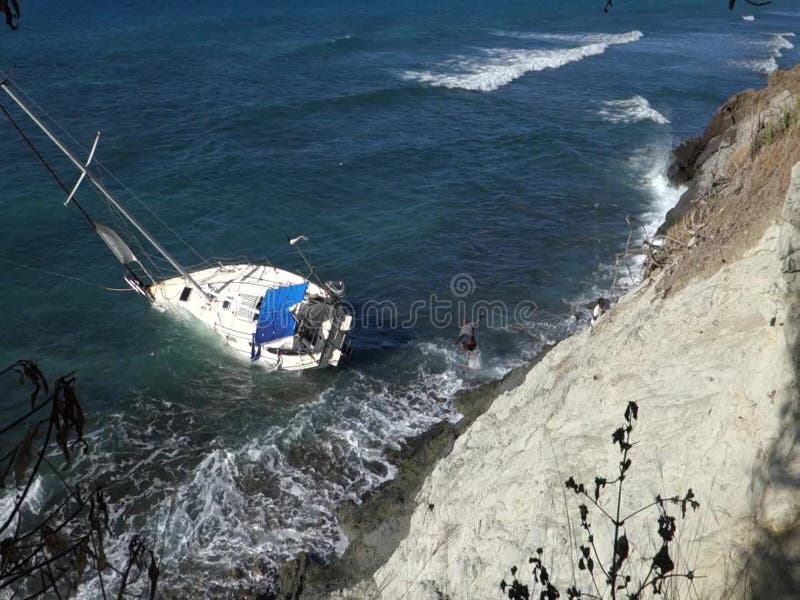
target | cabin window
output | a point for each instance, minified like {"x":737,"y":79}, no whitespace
{"x":185,"y":294}
{"x":226,"y":304}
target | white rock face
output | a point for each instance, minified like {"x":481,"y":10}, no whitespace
{"x":711,"y":370}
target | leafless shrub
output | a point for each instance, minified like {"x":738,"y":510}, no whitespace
{"x":54,"y":553}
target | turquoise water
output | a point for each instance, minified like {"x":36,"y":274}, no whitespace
{"x":412,"y":143}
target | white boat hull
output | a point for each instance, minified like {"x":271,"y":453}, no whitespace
{"x":231,"y":310}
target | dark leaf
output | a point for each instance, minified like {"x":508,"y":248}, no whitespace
{"x":663,"y":562}
{"x":9,"y":553}
{"x":599,"y":482}
{"x":581,"y":566}
{"x":101,"y":560}
{"x":30,"y":370}
{"x":549,"y":593}
{"x":620,"y":552}
{"x":576,"y":487}
{"x":153,"y":572}
{"x":73,"y":410}
{"x":666,"y":527}
{"x":732,"y":3}
{"x":544,"y":576}
{"x":11,"y":13}
{"x":24,"y":454}
{"x":62,"y":438}
{"x":573,"y":593}
{"x":618,"y":437}
{"x":80,"y":565}
{"x":632,"y":412}
{"x":689,"y":499}
{"x":54,"y":542}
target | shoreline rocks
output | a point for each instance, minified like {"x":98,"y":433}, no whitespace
{"x":709,"y":351}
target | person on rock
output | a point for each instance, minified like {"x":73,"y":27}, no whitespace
{"x":603,"y":304}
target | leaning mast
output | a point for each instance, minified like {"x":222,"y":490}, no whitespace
{"x":102,"y":189}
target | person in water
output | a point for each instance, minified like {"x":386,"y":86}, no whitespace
{"x":466,"y":337}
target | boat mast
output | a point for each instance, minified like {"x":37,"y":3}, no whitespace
{"x":102,"y":189}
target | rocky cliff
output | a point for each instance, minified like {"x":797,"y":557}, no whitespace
{"x":705,"y":347}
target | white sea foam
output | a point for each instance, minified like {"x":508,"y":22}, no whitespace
{"x":662,"y":197}
{"x":774,"y":46}
{"x":748,"y":18}
{"x":662,"y":193}
{"x":32,"y":504}
{"x":779,"y":42}
{"x":497,"y":67}
{"x":648,"y":168}
{"x":574,"y":38}
{"x":631,"y":110}
{"x":250,"y":504}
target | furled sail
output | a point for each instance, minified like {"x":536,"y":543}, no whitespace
{"x":120,"y":249}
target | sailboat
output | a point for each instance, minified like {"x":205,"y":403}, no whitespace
{"x":267,"y":315}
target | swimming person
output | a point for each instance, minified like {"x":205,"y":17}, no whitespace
{"x":466,"y":337}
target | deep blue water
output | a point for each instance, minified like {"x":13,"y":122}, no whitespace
{"x":412,"y":143}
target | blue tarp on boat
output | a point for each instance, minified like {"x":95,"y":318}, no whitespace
{"x":274,"y":320}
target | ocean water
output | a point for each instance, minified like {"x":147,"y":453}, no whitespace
{"x":436,"y":154}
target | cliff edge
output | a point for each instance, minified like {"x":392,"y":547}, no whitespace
{"x":706,"y":346}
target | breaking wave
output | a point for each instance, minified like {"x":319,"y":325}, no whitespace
{"x":649,"y":166}
{"x":499,"y":66}
{"x":631,"y":110}
{"x":774,"y":47}
{"x":227,"y":512}
{"x":574,"y":38}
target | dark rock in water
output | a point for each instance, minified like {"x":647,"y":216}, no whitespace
{"x":683,"y":167}
{"x":290,"y":579}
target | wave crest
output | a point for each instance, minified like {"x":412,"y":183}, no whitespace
{"x":776,"y":43}
{"x":498,"y":67}
{"x":631,"y":110}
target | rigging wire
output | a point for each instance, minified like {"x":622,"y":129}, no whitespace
{"x":103,"y":167}
{"x":64,"y":275}
{"x":62,"y":185}
{"x":46,"y":164}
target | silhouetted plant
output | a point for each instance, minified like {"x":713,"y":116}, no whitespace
{"x":53,"y":554}
{"x":731,"y":3}
{"x":613,"y":578}
{"x":11,"y":11}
